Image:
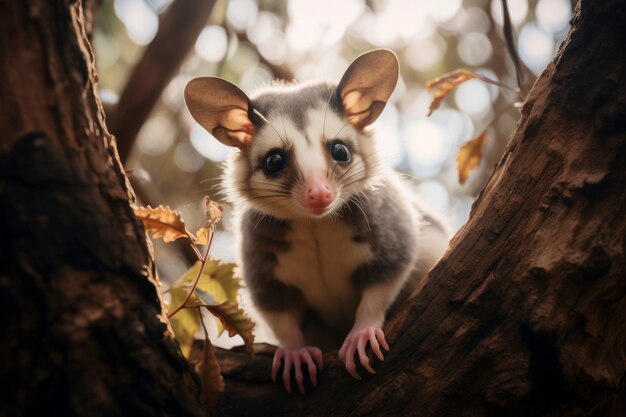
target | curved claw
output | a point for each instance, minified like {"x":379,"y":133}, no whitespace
{"x":356,"y":342}
{"x":294,"y":359}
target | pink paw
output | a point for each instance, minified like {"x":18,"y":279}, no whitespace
{"x":295,"y":358}
{"x":356,"y":341}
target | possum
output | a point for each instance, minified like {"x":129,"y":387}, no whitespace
{"x":331,"y":238}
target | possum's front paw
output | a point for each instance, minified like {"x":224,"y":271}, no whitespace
{"x":296,"y":358}
{"x":356,"y":341}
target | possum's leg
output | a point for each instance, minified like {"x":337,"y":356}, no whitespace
{"x":293,"y":352}
{"x":370,"y":317}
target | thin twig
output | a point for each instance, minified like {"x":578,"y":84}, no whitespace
{"x":197,"y":280}
{"x":509,"y":36}
{"x":498,"y":83}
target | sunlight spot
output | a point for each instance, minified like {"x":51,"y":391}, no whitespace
{"x":156,"y":136}
{"x":434,"y":194}
{"x":241,"y":13}
{"x":518,"y":9}
{"x":212,"y":44}
{"x":423,"y":54}
{"x":187,"y":159}
{"x":320,"y":23}
{"x":442,"y":10}
{"x":473,"y":97}
{"x":536,"y":47}
{"x":553,"y":15}
{"x":474,"y":48}
{"x":458,"y":125}
{"x":141,"y":21}
{"x":429,"y":145}
{"x":263,"y":28}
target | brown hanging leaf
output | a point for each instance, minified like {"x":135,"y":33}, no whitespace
{"x":445,"y":83}
{"x":163,"y":222}
{"x":235,"y":321}
{"x":470,"y":154}
{"x":213,"y":212}
{"x":210,"y":377}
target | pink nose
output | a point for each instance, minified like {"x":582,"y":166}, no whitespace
{"x":319,"y":195}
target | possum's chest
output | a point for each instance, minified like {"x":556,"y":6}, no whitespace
{"x":320,"y":262}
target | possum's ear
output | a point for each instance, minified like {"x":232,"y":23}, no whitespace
{"x":366,"y":86}
{"x":221,"y":108}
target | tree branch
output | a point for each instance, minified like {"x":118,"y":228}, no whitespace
{"x":178,"y":30}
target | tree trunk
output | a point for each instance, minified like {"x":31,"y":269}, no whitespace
{"x":83,"y":333}
{"x":524,"y":316}
{"x":526,"y":313}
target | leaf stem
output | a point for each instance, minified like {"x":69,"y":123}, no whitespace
{"x":509,"y":37}
{"x":206,"y":332}
{"x":197,"y":280}
{"x":196,"y":250}
{"x":498,"y":83}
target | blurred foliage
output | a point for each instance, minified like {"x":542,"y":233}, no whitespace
{"x":248,"y":42}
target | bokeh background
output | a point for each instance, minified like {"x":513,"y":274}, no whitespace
{"x":172,"y":161}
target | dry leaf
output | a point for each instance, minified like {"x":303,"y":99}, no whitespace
{"x":163,"y":222}
{"x":202,"y":236}
{"x":217,"y":284}
{"x":470,"y":154}
{"x":445,"y":83}
{"x":210,"y":377}
{"x":235,"y":321}
{"x":213,"y":212}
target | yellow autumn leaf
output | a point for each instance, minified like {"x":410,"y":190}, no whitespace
{"x":202,"y":236}
{"x":470,"y":154}
{"x":235,"y":321}
{"x":224,"y":273}
{"x":210,"y":377}
{"x":445,"y":83}
{"x":163,"y":222}
{"x":186,"y":322}
{"x":217,"y":284}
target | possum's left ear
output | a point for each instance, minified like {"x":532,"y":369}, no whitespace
{"x":366,"y":86}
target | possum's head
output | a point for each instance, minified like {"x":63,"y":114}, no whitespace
{"x":304,"y":148}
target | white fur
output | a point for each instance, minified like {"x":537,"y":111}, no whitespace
{"x":320,"y":263}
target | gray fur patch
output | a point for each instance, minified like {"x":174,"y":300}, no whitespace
{"x":382,"y":223}
{"x":263,"y":238}
{"x":295,"y":101}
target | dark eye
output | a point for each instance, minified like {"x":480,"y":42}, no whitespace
{"x":274,"y":162}
{"x":340,"y":152}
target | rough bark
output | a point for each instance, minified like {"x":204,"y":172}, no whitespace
{"x":526,"y":313}
{"x":82,"y":332}
{"x":178,"y":30}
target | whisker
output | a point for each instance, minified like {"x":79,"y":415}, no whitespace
{"x":356,"y":203}
{"x":359,"y":163}
{"x":210,"y":179}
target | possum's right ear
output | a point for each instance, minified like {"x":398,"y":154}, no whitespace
{"x":221,"y":108}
